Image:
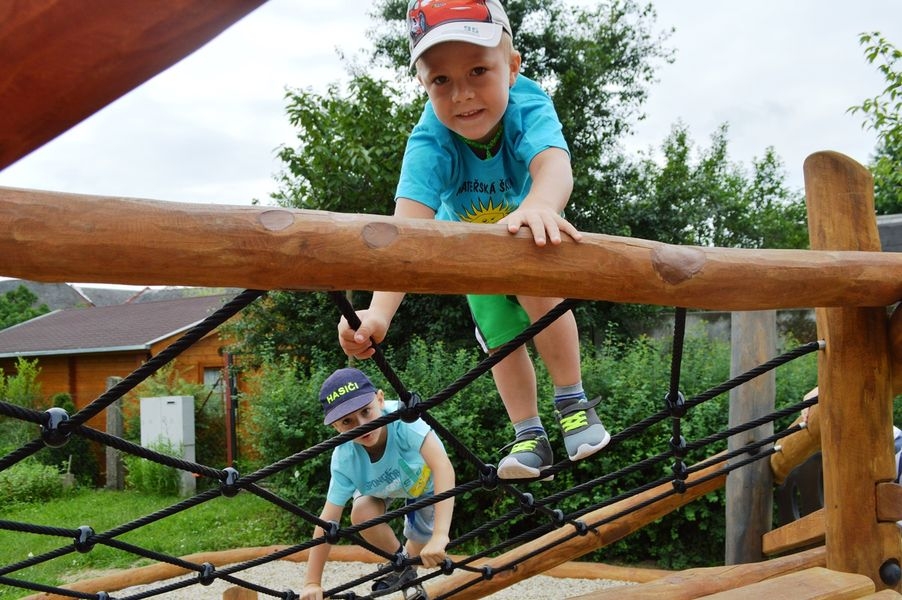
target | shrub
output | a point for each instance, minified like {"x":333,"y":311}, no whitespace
{"x":151,"y":477}
{"x":29,"y":481}
{"x":23,"y":390}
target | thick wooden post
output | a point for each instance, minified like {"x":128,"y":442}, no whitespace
{"x":750,"y":489}
{"x":854,"y":380}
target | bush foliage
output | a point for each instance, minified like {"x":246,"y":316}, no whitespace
{"x":631,"y":376}
{"x":149,"y":477}
{"x":29,"y":481}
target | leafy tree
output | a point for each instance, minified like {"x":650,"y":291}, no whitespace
{"x":711,"y":201}
{"x":350,"y":146}
{"x":18,"y":306}
{"x":883,"y":115}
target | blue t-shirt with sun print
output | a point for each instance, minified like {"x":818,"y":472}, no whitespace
{"x":442,"y":172}
{"x":401,"y":471}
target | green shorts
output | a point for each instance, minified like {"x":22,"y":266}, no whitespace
{"x":498,"y":318}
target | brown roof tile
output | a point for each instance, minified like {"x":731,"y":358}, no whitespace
{"x":106,"y":328}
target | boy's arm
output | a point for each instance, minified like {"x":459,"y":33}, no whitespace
{"x":552,"y":183}
{"x":443,"y":480}
{"x":316,"y":561}
{"x":375,"y":321}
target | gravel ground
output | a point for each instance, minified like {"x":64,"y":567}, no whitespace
{"x":283,"y":575}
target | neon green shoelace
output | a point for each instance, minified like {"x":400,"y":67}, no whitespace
{"x":524,"y":446}
{"x":574,"y":421}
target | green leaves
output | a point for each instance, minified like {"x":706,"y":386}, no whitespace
{"x":350,"y":145}
{"x":883,"y":115}
{"x":17,"y":306}
{"x":697,"y":196}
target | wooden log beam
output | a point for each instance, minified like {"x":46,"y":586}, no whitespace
{"x":55,"y":237}
{"x":558,"y":547}
{"x":798,"y":447}
{"x":63,"y":61}
{"x":854,"y":379}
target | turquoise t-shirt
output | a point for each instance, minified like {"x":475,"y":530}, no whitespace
{"x":442,"y":172}
{"x":401,"y":472}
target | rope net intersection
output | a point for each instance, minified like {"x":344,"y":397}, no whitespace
{"x":57,"y":427}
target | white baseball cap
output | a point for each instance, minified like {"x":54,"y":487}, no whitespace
{"x":432,"y":22}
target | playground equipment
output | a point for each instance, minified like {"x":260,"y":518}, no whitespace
{"x":44,"y":240}
{"x":51,"y":237}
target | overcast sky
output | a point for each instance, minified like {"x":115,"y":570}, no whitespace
{"x":781,"y":73}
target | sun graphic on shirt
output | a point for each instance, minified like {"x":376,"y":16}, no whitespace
{"x":485,"y":212}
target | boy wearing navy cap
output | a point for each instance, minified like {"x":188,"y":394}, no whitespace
{"x":489,"y":148}
{"x":397,"y":460}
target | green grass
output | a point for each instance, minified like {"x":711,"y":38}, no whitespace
{"x":218,"y":524}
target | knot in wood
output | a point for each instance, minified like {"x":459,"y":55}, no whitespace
{"x":379,"y":235}
{"x":676,"y":264}
{"x":276,"y":220}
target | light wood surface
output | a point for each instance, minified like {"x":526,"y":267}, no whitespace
{"x":53,"y":237}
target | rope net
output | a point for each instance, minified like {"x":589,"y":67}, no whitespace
{"x":534,"y":517}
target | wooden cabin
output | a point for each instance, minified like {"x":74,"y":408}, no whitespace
{"x":79,"y":349}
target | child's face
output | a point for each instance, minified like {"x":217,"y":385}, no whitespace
{"x":469,"y":85}
{"x":367,"y":414}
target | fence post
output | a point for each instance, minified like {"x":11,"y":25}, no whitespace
{"x":854,"y":381}
{"x":749,"y":489}
{"x":115,"y":472}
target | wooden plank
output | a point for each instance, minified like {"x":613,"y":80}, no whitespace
{"x":46,"y":236}
{"x":693,"y":583}
{"x":816,"y":583}
{"x":239,"y":593}
{"x":889,"y":502}
{"x":802,"y":532}
{"x":63,"y":61}
{"x":854,"y":378}
{"x":750,"y":494}
{"x":591,"y":570}
{"x":882,"y":595}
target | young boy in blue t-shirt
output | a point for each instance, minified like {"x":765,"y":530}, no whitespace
{"x":397,"y":461}
{"x":489,"y":149}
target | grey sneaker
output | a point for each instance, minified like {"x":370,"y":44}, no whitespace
{"x":528,"y":456}
{"x":584,"y":435}
{"x":394,"y":581}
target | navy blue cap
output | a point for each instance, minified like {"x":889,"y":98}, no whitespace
{"x":343,"y":392}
